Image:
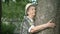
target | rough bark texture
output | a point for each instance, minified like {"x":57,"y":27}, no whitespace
{"x":47,"y":10}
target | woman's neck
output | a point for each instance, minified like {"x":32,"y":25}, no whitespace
{"x":30,"y":17}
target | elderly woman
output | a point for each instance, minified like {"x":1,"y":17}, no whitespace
{"x":28,"y":26}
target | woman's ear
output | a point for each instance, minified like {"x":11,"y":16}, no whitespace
{"x":28,"y":12}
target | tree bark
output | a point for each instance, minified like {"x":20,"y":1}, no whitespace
{"x":47,"y":10}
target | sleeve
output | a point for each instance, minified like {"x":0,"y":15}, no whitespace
{"x":30,"y":28}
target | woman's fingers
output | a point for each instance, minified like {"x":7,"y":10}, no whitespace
{"x":50,"y":21}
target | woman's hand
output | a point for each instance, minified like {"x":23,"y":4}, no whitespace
{"x":50,"y":24}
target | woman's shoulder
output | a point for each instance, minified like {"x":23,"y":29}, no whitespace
{"x":25,"y":19}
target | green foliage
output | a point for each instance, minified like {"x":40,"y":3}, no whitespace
{"x":12,"y":10}
{"x":7,"y":29}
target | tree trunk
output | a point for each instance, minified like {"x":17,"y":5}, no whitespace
{"x":47,"y":10}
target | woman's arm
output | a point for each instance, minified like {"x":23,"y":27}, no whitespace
{"x":41,"y":27}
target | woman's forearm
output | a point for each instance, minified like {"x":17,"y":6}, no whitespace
{"x":39,"y":27}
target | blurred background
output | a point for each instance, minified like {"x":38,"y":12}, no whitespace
{"x":12,"y":15}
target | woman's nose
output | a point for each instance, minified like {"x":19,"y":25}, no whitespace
{"x":34,"y":10}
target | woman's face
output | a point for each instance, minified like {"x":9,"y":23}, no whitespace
{"x":31,"y":11}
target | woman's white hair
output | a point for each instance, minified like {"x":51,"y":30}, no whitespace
{"x":26,"y":7}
